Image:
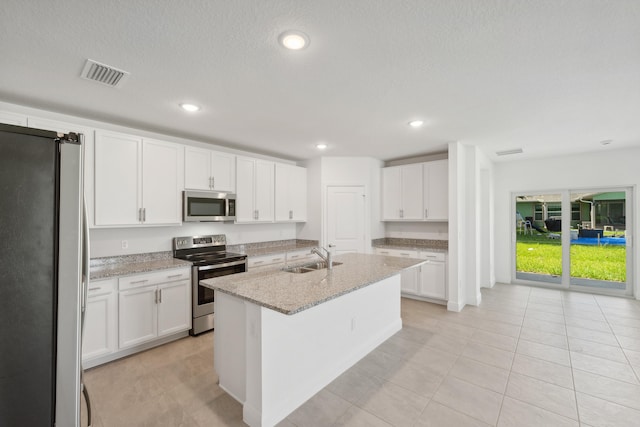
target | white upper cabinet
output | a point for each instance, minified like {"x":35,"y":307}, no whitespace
{"x":254,"y":190}
{"x":416,"y":192}
{"x":209,"y":170}
{"x":402,"y":192}
{"x":160,"y":187}
{"x":290,"y":193}
{"x":13,"y":118}
{"x":136,"y":180}
{"x":436,"y":191}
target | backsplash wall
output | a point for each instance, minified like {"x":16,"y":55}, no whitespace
{"x":418,"y":230}
{"x":108,"y":241}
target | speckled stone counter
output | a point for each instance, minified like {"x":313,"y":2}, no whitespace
{"x":116,"y":266}
{"x":290,"y":293}
{"x":441,"y":246}
{"x":272,"y":247}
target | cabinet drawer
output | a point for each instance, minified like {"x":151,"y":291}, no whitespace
{"x":260,"y":261}
{"x":293,"y":257}
{"x":432,"y":256}
{"x":147,"y":279}
{"x":397,"y":252}
{"x":101,"y":287}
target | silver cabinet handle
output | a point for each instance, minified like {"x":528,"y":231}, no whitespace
{"x":144,"y":214}
{"x":160,"y":296}
{"x":258,"y":262}
{"x":155,"y":295}
{"x":139,"y":281}
{"x":257,"y":214}
{"x":405,"y":254}
{"x":401,"y":213}
{"x":174,"y":275}
{"x":291,"y":214}
{"x":95,"y":289}
{"x":140,"y":214}
{"x":213,"y":182}
{"x":426,"y":213}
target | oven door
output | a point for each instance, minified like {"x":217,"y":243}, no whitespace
{"x":203,"y":296}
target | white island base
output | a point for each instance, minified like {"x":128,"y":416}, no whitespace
{"x":273,"y":362}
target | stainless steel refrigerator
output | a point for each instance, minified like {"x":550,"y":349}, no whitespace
{"x":43,"y":271}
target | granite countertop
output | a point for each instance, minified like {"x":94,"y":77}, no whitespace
{"x":412,"y":248}
{"x":268,"y":248}
{"x":430,"y":245}
{"x":116,"y":266}
{"x":290,"y":293}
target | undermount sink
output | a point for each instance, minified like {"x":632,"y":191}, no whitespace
{"x":306,"y":268}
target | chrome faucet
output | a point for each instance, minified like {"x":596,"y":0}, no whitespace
{"x":326,"y":258}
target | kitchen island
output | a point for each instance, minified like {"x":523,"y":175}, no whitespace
{"x":281,"y":337}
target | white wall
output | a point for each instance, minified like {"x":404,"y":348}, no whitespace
{"x":470,"y":219}
{"x":357,"y":171}
{"x":348,"y":171}
{"x":108,"y":241}
{"x":418,"y":230}
{"x":312,"y":229}
{"x":607,"y":168}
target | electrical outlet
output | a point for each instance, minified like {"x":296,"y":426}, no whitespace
{"x":125,"y":244}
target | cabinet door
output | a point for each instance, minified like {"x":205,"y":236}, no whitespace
{"x":432,"y":280}
{"x":282,"y":192}
{"x":117,"y":190}
{"x":100,"y":324}
{"x":174,"y":307}
{"x":160,"y":188}
{"x":197,"y":168}
{"x":264,"y":191}
{"x":391,"y":192}
{"x":138,"y":316}
{"x":298,"y":193}
{"x":245,"y":179}
{"x":223,"y":172}
{"x":409,"y":280}
{"x":412,"y":192}
{"x":436,"y":190}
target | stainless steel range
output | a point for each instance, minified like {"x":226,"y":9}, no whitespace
{"x":210,"y":259}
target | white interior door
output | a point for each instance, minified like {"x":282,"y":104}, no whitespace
{"x":346,"y":219}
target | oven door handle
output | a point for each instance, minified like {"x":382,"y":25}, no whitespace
{"x":226,"y":264}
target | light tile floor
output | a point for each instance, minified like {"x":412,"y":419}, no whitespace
{"x":525,"y":357}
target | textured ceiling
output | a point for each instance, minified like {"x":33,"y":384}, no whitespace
{"x":550,"y":76}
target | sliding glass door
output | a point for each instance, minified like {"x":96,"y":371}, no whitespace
{"x":538,"y":245}
{"x":574,"y":239}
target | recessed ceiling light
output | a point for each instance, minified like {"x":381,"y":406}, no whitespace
{"x":294,"y":40}
{"x":321,"y":146}
{"x":416,"y":123}
{"x":190,"y":107}
{"x":606,"y":141}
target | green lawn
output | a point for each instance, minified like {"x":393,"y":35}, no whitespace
{"x":538,"y":254}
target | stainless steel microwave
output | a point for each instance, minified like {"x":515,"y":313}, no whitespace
{"x":205,"y":206}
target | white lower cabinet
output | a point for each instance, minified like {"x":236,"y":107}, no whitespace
{"x":100,"y":336}
{"x":153,"y":305}
{"x":427,"y":280}
{"x":432,"y":282}
{"x":262,"y":260}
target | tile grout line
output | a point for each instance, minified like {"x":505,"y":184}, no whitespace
{"x":573,"y":378}
{"x":514,"y":358}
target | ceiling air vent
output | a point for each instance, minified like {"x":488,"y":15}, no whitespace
{"x":104,"y":74}
{"x":508,"y":152}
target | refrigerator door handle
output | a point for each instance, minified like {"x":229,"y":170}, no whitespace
{"x":85,"y":259}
